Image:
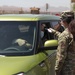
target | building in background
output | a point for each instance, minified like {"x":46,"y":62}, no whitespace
{"x":34,"y":10}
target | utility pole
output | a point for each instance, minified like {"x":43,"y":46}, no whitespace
{"x":47,"y":6}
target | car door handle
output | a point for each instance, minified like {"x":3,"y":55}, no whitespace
{"x":42,"y":64}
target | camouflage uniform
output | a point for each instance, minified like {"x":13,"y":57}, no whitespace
{"x":65,"y":58}
{"x":55,"y":32}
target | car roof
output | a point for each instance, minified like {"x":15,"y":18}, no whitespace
{"x":27,"y":17}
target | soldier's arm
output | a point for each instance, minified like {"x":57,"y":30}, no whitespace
{"x":61,"y":53}
{"x":56,"y":33}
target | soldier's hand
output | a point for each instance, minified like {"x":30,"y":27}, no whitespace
{"x":51,"y":30}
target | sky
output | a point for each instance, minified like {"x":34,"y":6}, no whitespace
{"x":35,"y":3}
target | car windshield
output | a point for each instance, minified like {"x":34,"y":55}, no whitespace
{"x":17,"y":36}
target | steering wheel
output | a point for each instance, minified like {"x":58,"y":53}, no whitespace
{"x":11,"y":49}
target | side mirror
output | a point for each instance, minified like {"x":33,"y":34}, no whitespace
{"x":50,"y":43}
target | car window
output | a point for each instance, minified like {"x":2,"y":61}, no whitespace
{"x":44,"y":33}
{"x":53,"y":23}
{"x":17,"y":36}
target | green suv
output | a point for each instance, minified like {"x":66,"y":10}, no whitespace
{"x":21,"y":49}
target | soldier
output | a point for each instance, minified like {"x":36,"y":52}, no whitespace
{"x":65,"y":57}
{"x":65,"y":20}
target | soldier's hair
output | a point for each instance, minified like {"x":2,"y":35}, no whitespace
{"x":71,"y":28}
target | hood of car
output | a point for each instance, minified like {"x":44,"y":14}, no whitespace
{"x":13,"y":65}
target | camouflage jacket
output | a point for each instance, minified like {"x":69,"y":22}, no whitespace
{"x":55,"y":32}
{"x":65,"y":57}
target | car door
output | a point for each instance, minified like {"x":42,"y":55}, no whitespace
{"x":45,"y":65}
{"x":41,"y":67}
{"x":49,"y":62}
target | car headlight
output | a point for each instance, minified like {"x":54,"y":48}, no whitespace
{"x":21,"y":73}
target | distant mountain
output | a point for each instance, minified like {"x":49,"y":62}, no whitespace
{"x":55,"y":9}
{"x":9,"y":8}
{"x":43,"y":8}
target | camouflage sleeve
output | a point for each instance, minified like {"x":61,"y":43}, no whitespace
{"x":56,"y":33}
{"x":61,"y":52}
